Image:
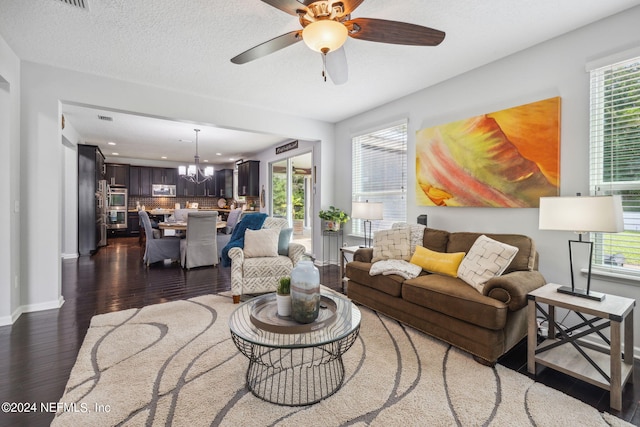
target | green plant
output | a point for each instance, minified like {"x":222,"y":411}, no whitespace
{"x":334,"y":214}
{"x":284,"y":286}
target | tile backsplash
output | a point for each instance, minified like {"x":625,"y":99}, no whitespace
{"x":169,"y":202}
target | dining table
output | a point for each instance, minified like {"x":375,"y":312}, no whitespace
{"x":182,"y":225}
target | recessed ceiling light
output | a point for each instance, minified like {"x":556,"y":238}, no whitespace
{"x":206,"y":161}
{"x":231,"y":159}
{"x":115,"y":154}
{"x":163,"y":157}
{"x":111,"y":143}
{"x":218,"y":154}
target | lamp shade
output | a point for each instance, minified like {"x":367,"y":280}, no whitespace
{"x":582,"y":214}
{"x":325,"y":36}
{"x":366,"y":210}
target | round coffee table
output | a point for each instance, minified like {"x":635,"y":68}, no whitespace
{"x":290,"y":363}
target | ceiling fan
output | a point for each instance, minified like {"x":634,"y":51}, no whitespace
{"x":326,"y":25}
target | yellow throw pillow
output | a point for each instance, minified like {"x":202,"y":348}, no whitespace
{"x":437,"y":262}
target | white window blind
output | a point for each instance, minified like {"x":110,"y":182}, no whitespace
{"x":615,"y":159}
{"x":379,"y":167}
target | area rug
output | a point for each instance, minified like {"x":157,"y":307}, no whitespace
{"x":175,"y":364}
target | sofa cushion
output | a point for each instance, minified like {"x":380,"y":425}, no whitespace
{"x":262,"y":268}
{"x":261,"y":243}
{"x":437,"y":262}
{"x":358,"y":271}
{"x":437,"y":240}
{"x":487,"y":258}
{"x":525,"y":259}
{"x":391,"y":244}
{"x":455,"y":298}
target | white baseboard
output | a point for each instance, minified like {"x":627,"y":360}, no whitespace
{"x":70,"y":256}
{"x":29,"y":308}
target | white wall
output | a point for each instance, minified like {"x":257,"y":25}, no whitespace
{"x":43,"y":89}
{"x":10,"y":191}
{"x":554,"y":68}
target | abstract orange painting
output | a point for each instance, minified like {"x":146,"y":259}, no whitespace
{"x":509,"y":158}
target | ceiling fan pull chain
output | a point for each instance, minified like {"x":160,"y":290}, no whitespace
{"x":324,"y":64}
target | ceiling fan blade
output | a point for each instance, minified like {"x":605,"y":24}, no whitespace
{"x":289,"y":6}
{"x":337,"y":68}
{"x":383,"y":31}
{"x":268,"y":47}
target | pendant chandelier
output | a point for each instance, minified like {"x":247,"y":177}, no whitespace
{"x":194,"y":173}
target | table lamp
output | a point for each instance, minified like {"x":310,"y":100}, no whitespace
{"x":581,"y":215}
{"x":366,"y":211}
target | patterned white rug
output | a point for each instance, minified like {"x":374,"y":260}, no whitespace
{"x":175,"y":364}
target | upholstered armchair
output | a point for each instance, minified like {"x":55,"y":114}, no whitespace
{"x":251,"y":274}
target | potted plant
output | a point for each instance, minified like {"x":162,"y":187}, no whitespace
{"x":283,"y":297}
{"x":334,"y":217}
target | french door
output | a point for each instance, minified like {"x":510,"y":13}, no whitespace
{"x":291,"y":195}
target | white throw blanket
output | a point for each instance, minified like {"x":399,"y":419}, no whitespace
{"x":395,"y":266}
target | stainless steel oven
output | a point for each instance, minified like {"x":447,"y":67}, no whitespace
{"x":117,"y":206}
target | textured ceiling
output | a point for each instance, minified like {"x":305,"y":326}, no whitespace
{"x":186,"y":46}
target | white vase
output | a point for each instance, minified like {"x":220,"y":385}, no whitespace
{"x":284,"y":305}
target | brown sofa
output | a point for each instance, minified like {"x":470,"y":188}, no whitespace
{"x":485,"y":324}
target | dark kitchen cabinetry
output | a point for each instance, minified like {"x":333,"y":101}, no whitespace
{"x":133,"y":224}
{"x":249,"y":178}
{"x":140,"y":181}
{"x":168,"y":176}
{"x":91,"y":221}
{"x":117,"y":174}
{"x":223,"y":183}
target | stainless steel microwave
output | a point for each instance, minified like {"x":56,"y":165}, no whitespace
{"x":163,"y":190}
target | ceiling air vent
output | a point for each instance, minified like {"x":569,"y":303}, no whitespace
{"x":106,"y":118}
{"x":82,"y":4}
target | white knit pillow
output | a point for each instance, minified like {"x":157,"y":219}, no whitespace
{"x":391,"y":244}
{"x":487,"y":258}
{"x":261,"y":243}
{"x":416,"y":234}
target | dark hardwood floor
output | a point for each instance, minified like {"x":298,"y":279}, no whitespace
{"x":39,"y":350}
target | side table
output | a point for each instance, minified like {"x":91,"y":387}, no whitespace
{"x":609,"y":370}
{"x":344,"y":251}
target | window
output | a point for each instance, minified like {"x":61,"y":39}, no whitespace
{"x":615,"y":159}
{"x":379,"y":165}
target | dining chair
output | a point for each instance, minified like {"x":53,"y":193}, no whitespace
{"x":158,"y":248}
{"x":200,"y":247}
{"x":232,"y":220}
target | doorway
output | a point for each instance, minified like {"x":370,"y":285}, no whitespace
{"x":292,"y":195}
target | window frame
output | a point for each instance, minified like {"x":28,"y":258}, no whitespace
{"x":389,"y":197}
{"x":627,"y":142}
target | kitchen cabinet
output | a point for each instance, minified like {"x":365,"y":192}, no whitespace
{"x":91,"y":221}
{"x":117,"y":174}
{"x":223,"y":183}
{"x":249,"y":178}
{"x":133,"y":224}
{"x":167,"y":176}
{"x":140,"y":181}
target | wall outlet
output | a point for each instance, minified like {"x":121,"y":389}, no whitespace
{"x":16,"y":206}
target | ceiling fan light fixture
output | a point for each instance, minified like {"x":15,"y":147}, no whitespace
{"x":325,"y":35}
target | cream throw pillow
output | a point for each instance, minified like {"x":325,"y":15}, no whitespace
{"x":261,"y":243}
{"x":487,"y":258}
{"x":391,"y":244}
{"x":416,"y":234}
